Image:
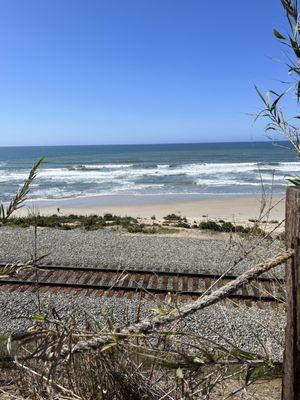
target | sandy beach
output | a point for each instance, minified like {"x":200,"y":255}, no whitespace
{"x":235,"y":209}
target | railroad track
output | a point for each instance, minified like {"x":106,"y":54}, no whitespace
{"x":129,"y":283}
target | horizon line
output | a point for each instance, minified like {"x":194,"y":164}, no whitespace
{"x":145,"y":144}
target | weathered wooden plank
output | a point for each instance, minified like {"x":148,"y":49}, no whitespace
{"x":291,"y":366}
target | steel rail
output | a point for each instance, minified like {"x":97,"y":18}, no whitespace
{"x":188,"y":274}
{"x":238,"y":296}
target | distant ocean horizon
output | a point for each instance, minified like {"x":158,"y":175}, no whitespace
{"x":168,"y":170}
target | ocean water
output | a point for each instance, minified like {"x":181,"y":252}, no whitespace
{"x":195,"y":170}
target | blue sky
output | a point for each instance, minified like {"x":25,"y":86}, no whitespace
{"x":134,"y":71}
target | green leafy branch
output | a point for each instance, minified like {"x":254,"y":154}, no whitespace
{"x":271,"y":101}
{"x":277,"y":119}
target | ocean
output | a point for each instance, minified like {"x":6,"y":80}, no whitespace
{"x":189,"y":170}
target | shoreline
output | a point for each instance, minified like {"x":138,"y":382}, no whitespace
{"x":231,"y":208}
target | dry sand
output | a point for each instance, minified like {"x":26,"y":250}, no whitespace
{"x":236,"y":209}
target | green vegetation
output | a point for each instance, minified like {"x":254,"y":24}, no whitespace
{"x":94,"y":222}
{"x":220,"y":226}
{"x":280,"y":122}
{"x":227,"y":227}
{"x":90,"y":222}
{"x":176,"y":220}
{"x":141,"y":228}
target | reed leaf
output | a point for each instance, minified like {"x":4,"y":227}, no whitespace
{"x":295,"y":181}
{"x":19,"y":199}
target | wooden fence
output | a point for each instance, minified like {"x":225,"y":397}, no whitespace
{"x":291,"y":366}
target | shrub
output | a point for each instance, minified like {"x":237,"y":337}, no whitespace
{"x":256,"y":231}
{"x":93,"y":222}
{"x":227,"y":227}
{"x":135,"y":228}
{"x":183,"y":224}
{"x":108,"y":217}
{"x":241,"y":229}
{"x":211,"y":225}
{"x":174,"y":217}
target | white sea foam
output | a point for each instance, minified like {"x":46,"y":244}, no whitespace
{"x":112,"y":171}
{"x":137,"y":187}
{"x":138,"y":178}
{"x":125,"y":171}
{"x":100,"y":166}
{"x":226,"y":182}
{"x":56,"y":193}
{"x":163,"y":166}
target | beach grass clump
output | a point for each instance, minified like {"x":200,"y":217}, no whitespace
{"x":229,"y":227}
{"x":93,"y":222}
{"x":174,"y":218}
{"x":112,"y":219}
{"x":125,"y":221}
{"x":183,"y":224}
{"x":210,"y":225}
{"x":136,"y":228}
{"x":177,"y":221}
{"x":141,"y":228}
{"x":109,"y":217}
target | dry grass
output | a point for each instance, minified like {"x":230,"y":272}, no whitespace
{"x":162,"y":365}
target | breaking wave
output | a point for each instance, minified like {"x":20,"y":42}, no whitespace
{"x":149,"y":178}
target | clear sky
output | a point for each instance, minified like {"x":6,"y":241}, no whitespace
{"x":134,"y":71}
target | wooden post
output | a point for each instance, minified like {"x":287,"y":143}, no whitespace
{"x":291,"y":362}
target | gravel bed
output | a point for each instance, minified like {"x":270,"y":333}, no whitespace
{"x":249,"y":328}
{"x":114,"y":249}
